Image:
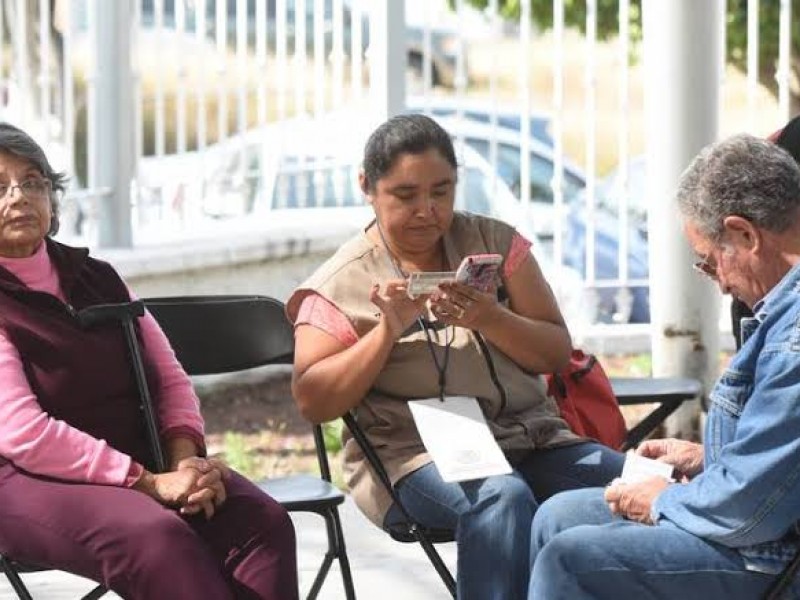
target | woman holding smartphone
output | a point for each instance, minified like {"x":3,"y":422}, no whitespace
{"x":364,"y":344}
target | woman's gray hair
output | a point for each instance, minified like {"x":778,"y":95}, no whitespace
{"x":15,"y":141}
{"x":744,"y":176}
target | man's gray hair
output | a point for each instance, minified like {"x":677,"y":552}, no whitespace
{"x":745,"y":176}
{"x":15,"y":141}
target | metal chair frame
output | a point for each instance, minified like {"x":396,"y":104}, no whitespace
{"x":251,"y":331}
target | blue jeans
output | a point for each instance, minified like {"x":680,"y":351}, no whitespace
{"x":580,"y":550}
{"x":491,"y":517}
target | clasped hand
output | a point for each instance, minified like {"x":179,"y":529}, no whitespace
{"x":196,"y":485}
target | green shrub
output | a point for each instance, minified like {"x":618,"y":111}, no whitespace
{"x":332,"y":433}
{"x":237,"y":455}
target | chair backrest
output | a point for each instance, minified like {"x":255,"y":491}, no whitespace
{"x":223,"y":334}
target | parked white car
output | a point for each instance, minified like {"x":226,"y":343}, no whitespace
{"x":275,"y":170}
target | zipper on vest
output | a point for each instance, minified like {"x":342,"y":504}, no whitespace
{"x":70,"y":309}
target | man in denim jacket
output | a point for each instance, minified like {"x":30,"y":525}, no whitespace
{"x":730,"y":522}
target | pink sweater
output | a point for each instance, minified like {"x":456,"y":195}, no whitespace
{"x":38,"y":443}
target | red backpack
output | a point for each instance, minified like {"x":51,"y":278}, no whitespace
{"x":586,"y":400}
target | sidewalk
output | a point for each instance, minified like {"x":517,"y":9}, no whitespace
{"x":382,"y":568}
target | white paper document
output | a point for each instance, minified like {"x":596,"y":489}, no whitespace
{"x":458,"y":439}
{"x":637,"y":468}
{"x":427,"y":282}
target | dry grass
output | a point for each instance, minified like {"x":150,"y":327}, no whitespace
{"x":502,"y":59}
{"x":217,"y":77}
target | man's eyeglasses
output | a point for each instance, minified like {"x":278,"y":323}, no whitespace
{"x":705,"y":267}
{"x":32,"y":189}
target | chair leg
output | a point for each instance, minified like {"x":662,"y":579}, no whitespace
{"x":14,"y":579}
{"x":341,"y":553}
{"x":336,"y":550}
{"x":96,"y":593}
{"x":321,"y":574}
{"x":436,"y":560}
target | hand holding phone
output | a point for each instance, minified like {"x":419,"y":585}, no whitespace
{"x":479,"y":271}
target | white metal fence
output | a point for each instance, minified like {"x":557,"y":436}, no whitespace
{"x":219,"y":86}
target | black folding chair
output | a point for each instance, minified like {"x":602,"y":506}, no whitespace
{"x":224,"y":334}
{"x":13,"y":571}
{"x":668,"y":392}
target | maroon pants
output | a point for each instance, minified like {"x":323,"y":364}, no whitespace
{"x":144,"y":551}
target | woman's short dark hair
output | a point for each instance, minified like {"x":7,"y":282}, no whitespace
{"x":15,"y":141}
{"x":404,"y":134}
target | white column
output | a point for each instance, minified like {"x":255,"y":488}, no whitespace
{"x":113,"y":128}
{"x":682,"y":72}
{"x":387,"y":57}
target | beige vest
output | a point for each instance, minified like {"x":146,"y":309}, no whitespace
{"x":522,"y":417}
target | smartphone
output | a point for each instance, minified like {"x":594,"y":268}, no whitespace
{"x":480,"y":271}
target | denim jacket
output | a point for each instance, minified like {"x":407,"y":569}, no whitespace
{"x":748,"y":495}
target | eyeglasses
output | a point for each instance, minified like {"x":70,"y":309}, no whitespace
{"x":705,"y":267}
{"x":32,"y":189}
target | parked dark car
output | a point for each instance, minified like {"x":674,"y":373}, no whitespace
{"x":541,"y":211}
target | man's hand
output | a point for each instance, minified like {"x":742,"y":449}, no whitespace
{"x":686,"y":457}
{"x":634,"y":501}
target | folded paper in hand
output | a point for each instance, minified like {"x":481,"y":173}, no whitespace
{"x":427,"y":282}
{"x":637,"y":468}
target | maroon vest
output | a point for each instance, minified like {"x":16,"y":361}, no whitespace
{"x":81,"y":376}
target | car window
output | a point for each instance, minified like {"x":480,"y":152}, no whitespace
{"x":541,"y":172}
{"x":306,"y":185}
{"x":475,"y":197}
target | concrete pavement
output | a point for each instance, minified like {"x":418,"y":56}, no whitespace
{"x":382,"y":568}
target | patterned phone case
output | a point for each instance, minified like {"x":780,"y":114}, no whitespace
{"x":479,"y":271}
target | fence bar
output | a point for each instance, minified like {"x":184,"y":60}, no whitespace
{"x":113,"y":131}
{"x":160,"y":134}
{"x":68,"y":91}
{"x":525,"y":107}
{"x":387,"y":58}
{"x":784,"y":59}
{"x":22,"y":72}
{"x":494,"y":18}
{"x":319,"y":57}
{"x":558,"y":132}
{"x":261,"y":62}
{"x":45,"y":79}
{"x":622,"y":141}
{"x":357,"y":52}
{"x":180,"y":92}
{"x":590,"y":86}
{"x":752,"y":62}
{"x":221,"y":26}
{"x":337,"y":52}
{"x":300,"y":57}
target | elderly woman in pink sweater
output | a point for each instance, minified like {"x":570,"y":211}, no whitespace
{"x":76,"y":492}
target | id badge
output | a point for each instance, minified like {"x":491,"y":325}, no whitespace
{"x":456,"y":435}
